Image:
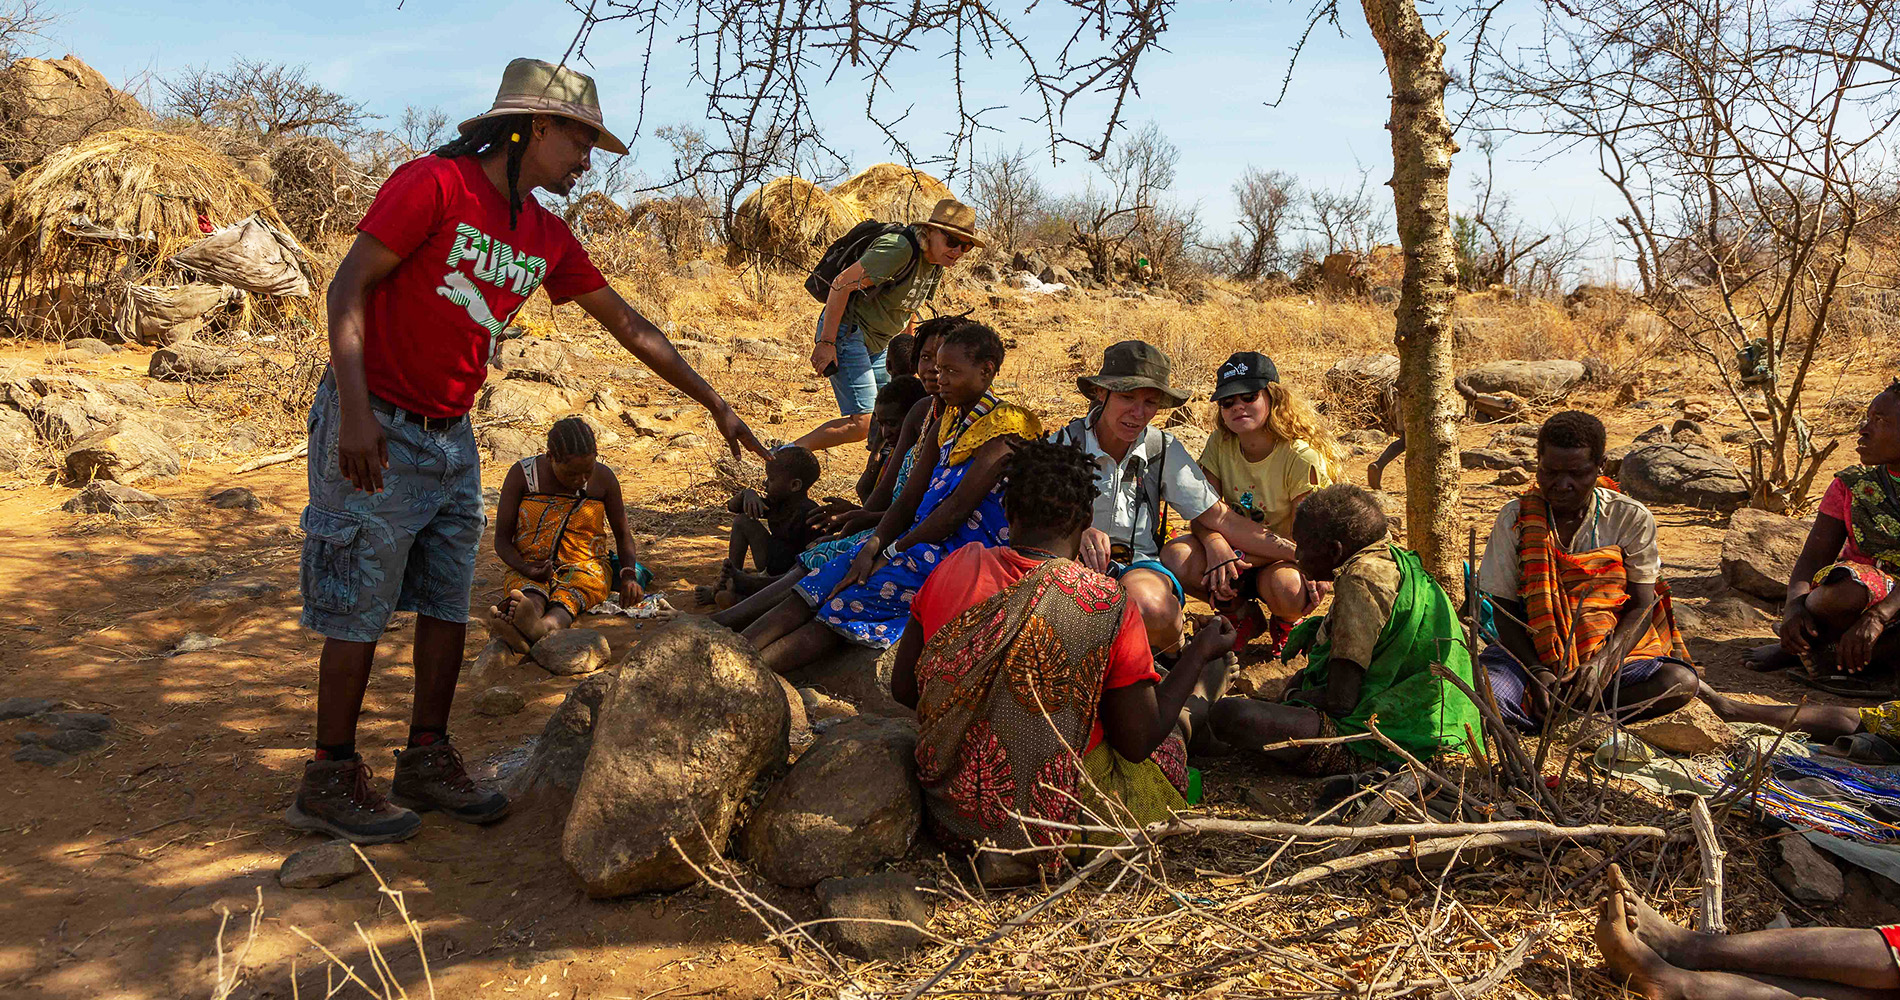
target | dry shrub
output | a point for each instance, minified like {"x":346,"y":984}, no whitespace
{"x":788,"y":222}
{"x":49,"y":103}
{"x":891,"y":192}
{"x":594,"y":212}
{"x":639,"y":266}
{"x":684,"y":225}
{"x":320,"y":190}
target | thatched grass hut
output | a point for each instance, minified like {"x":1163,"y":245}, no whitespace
{"x":891,"y":192}
{"x":790,"y":221}
{"x":109,"y":211}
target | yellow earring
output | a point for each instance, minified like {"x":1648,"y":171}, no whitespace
{"x":516,"y":137}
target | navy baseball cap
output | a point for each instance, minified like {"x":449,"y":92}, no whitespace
{"x":1246,"y":371}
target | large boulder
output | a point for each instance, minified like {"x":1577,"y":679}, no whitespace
{"x":1759,"y":550}
{"x":1530,"y":379}
{"x":129,"y":453}
{"x":876,"y":917}
{"x":111,"y":498}
{"x":519,"y":402}
{"x":691,"y":721}
{"x":190,"y":361}
{"x":547,"y":781}
{"x":859,"y":675}
{"x":1359,"y":387}
{"x":1687,"y":474}
{"x":850,"y":804}
{"x":17,"y":439}
{"x":534,"y":359}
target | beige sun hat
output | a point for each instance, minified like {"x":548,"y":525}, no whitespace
{"x":957,"y":219}
{"x":533,"y":87}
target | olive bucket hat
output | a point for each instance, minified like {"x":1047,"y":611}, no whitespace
{"x":533,"y":87}
{"x":1131,"y":365}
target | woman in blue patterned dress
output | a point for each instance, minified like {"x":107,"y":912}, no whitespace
{"x":853,"y":527}
{"x":864,"y":596}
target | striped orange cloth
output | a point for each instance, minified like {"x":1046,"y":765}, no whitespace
{"x":1573,"y":598}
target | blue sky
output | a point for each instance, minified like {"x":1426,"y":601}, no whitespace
{"x":1225,"y":60}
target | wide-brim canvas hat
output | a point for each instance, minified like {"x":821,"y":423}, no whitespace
{"x":1132,"y":365}
{"x":957,"y":219}
{"x":533,"y":87}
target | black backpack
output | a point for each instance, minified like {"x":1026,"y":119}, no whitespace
{"x":850,"y":248}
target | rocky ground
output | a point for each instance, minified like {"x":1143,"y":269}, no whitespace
{"x":156,"y":617}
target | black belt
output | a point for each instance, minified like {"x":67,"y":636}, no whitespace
{"x":382,"y":405}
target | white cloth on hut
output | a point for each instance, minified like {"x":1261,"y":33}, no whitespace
{"x":162,"y":315}
{"x":252,"y":255}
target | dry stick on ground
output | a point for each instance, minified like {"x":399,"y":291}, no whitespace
{"x":1529,"y":781}
{"x":1441,"y":845}
{"x":1506,"y":967}
{"x":1478,"y":808}
{"x":1709,"y":919}
{"x":265,"y":461}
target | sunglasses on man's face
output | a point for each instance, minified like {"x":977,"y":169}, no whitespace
{"x":956,"y":244}
{"x":1236,"y":400}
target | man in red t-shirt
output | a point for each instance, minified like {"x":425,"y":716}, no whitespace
{"x":449,"y":251}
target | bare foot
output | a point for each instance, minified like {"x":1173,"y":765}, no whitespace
{"x":1671,"y":942}
{"x":501,"y":628}
{"x":1628,"y":957}
{"x":530,"y":618}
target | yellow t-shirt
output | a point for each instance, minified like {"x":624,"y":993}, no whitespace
{"x":1267,"y":490}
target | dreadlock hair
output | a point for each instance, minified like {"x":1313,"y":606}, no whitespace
{"x":1051,"y":489}
{"x":981,"y":342}
{"x":1342,"y":512}
{"x":903,"y":392}
{"x":571,"y":436}
{"x":485,"y":137}
{"x":1574,"y":429}
{"x":799,"y":462}
{"x":900,"y":356}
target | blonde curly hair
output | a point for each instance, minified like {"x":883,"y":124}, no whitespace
{"x":1292,"y":417}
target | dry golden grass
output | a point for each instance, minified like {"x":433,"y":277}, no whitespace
{"x":788,"y":222}
{"x":891,"y":192}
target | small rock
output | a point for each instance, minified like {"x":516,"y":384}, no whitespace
{"x":554,"y":767}
{"x":43,"y":756}
{"x":688,"y":440}
{"x":819,"y":706}
{"x":92,"y":722}
{"x":1689,"y":730}
{"x":696,"y":270}
{"x":1806,"y":874}
{"x":887,"y":896}
{"x":318,"y":866}
{"x":64,"y":740}
{"x":1513,"y":477}
{"x":112,"y":498}
{"x":89,"y":345}
{"x":770,"y":350}
{"x":20,"y":708}
{"x":227,"y":592}
{"x":1486,"y":458}
{"x":196,"y":642}
{"x":498,"y":701}
{"x":190,"y":361}
{"x":1759,"y":551}
{"x":571,"y":651}
{"x":128,"y":453}
{"x":1529,"y":379}
{"x":235,"y":498}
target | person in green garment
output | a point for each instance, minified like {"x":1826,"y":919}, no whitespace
{"x":1369,"y":657}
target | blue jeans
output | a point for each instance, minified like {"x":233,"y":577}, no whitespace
{"x":860,"y":373}
{"x":411,"y":547}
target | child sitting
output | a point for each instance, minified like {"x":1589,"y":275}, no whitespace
{"x":775,"y":528}
{"x":551,"y":531}
{"x":1371,"y":655}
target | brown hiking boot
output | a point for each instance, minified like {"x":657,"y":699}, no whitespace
{"x":337,"y":798}
{"x":433,"y":777}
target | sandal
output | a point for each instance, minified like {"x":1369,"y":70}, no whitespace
{"x":1857,"y":686}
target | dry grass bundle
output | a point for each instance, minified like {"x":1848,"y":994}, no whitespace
{"x":594,"y":212}
{"x":48,"y":103}
{"x":891,"y":192}
{"x":790,"y":221}
{"x":131,"y":181}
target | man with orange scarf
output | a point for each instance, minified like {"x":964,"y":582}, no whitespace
{"x":1574,"y":576}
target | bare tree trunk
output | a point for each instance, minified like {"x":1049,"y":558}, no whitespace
{"x":1421,"y":169}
